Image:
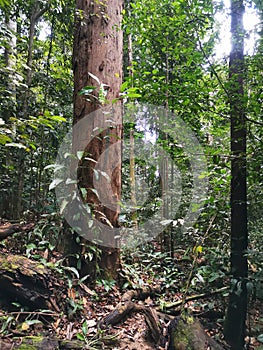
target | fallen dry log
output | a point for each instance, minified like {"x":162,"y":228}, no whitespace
{"x":8,"y":229}
{"x":195,"y":297}
{"x":25,"y":282}
{"x":127,"y":306}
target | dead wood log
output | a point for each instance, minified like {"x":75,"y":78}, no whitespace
{"x":127,"y":306}
{"x":189,"y":335}
{"x":26,"y":282}
{"x":40,"y":343}
{"x":195,"y":297}
{"x":9,"y":229}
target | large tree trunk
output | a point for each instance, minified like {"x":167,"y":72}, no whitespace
{"x":97,"y":62}
{"x":237,"y":308}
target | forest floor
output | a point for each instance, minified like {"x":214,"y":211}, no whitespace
{"x":81,"y":309}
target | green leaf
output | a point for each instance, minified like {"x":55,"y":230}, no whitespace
{"x":14,"y":144}
{"x":260,"y":338}
{"x":83,"y":191}
{"x":133,"y":95}
{"x":70,"y":181}
{"x":80,"y":154}
{"x":4,"y":3}
{"x":198,"y":249}
{"x":87,"y":207}
{"x":55,"y":183}
{"x":4,"y":139}
{"x":58,"y":118}
{"x":72,"y":269}
{"x":33,"y":146}
{"x":132,"y":89}
{"x":94,"y":77}
{"x":90,"y":159}
{"x":54,"y":166}
{"x":124,"y":86}
{"x":166,"y":222}
{"x":63,"y":206}
{"x":80,"y":336}
{"x":45,"y":122}
{"x":87,"y":90}
{"x":95,"y":191}
{"x":84,"y":328}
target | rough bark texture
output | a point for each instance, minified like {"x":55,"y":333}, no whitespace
{"x":237,"y":308}
{"x":98,"y":50}
{"x":190,"y":335}
{"x":26,"y":282}
{"x":7,"y":229}
{"x":126,"y":305}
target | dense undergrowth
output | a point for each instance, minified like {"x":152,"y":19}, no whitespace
{"x":191,"y":271}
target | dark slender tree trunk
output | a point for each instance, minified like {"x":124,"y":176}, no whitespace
{"x":237,"y":308}
{"x":6,"y":204}
{"x":36,"y":13}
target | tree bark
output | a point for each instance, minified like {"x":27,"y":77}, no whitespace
{"x":237,"y":308}
{"x":98,"y":53}
{"x":8,"y":229}
{"x":26,"y":282}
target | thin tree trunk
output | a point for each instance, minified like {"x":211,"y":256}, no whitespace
{"x":237,"y":308}
{"x":10,"y":58}
{"x":36,"y":13}
{"x":164,"y":166}
{"x":134,"y":217}
{"x":6,"y":203}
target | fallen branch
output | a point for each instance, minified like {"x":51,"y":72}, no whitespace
{"x":195,"y":297}
{"x":9,"y":229}
{"x":126,"y":306}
